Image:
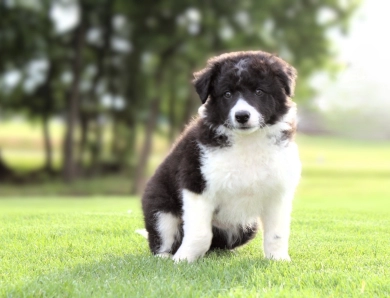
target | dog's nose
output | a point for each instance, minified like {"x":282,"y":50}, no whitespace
{"x":242,"y":116}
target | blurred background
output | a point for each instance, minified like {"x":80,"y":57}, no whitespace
{"x":94,"y":92}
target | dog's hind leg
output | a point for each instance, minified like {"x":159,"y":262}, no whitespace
{"x":164,"y":232}
{"x":246,"y":234}
{"x":168,"y":229}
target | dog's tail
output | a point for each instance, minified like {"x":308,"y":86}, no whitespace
{"x":142,"y":232}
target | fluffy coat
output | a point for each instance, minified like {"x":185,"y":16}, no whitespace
{"x":235,"y":168}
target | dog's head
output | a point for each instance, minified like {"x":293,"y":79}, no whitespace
{"x":245,"y":91}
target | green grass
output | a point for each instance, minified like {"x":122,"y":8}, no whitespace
{"x":87,"y":247}
{"x":340,"y":244}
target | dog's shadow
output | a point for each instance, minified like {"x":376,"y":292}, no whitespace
{"x":122,"y":276}
{"x":235,"y":257}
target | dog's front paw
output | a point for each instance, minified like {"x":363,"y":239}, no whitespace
{"x":278,"y":257}
{"x":184,"y":258}
{"x":182,"y":255}
{"x":164,"y":255}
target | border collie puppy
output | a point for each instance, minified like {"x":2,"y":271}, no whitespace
{"x":235,"y":168}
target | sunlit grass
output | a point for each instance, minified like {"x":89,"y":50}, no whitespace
{"x":107,"y":185}
{"x":22,"y":144}
{"x":88,"y":246}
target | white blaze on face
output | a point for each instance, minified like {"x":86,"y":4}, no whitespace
{"x":241,"y":66}
{"x":255,"y":118}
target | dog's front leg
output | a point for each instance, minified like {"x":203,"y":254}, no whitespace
{"x":197,"y":217}
{"x":276,"y":229}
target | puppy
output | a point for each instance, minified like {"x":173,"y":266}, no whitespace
{"x":235,"y":168}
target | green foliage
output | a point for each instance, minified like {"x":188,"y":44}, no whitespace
{"x":129,"y":62}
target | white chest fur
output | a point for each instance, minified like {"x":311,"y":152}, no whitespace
{"x":243,"y":178}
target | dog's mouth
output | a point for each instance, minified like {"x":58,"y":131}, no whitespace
{"x":248,"y":127}
{"x":245,"y":129}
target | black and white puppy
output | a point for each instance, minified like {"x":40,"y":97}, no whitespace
{"x":235,"y":168}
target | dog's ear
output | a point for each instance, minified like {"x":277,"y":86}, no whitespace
{"x":285,"y":73}
{"x":287,"y":76}
{"x":202,"y":82}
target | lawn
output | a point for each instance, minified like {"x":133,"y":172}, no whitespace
{"x":340,"y":244}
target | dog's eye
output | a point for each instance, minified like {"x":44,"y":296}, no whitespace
{"x":227,"y":94}
{"x":259,"y":92}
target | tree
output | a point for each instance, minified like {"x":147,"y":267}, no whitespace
{"x":142,"y":56}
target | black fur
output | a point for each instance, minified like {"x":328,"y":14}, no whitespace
{"x":243,"y":236}
{"x":181,"y":169}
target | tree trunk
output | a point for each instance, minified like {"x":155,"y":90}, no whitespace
{"x":139,"y":177}
{"x":189,"y":108}
{"x":69,"y":164}
{"x":101,"y":54}
{"x":114,"y":148}
{"x":97,"y":147}
{"x":84,"y":128}
{"x":129,"y":116}
{"x":131,"y":148}
{"x":172,"y":110}
{"x":139,"y":181}
{"x":47,"y":144}
{"x":5,"y":171}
